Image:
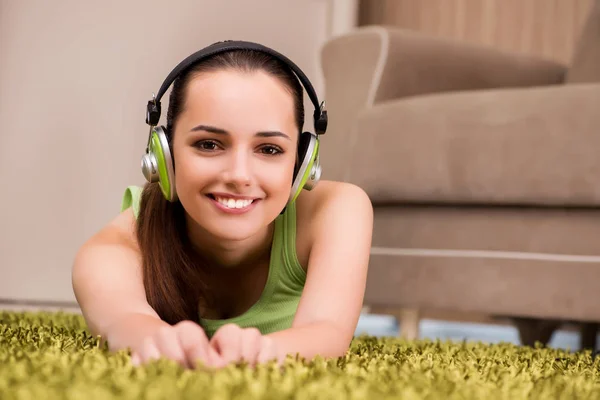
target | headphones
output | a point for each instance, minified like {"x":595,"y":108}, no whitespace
{"x":157,"y":163}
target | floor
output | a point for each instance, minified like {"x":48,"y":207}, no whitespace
{"x":384,"y":325}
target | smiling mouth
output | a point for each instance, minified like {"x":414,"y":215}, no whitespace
{"x":232,"y":203}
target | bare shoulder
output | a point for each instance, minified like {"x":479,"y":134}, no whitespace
{"x":121,"y":230}
{"x":118,"y":235}
{"x":331,"y":193}
{"x":329,"y":202}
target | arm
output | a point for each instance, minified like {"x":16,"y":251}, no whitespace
{"x":107,"y":283}
{"x":333,"y":295}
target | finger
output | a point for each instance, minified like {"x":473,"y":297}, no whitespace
{"x":215,"y":359}
{"x":168,"y":345}
{"x":149,"y":350}
{"x":193,"y":342}
{"x":268,"y":351}
{"x":251,"y":341}
{"x":227,"y":342}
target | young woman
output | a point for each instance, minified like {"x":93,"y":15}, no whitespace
{"x":224,"y":256}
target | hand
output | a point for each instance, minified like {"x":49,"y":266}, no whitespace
{"x":234,"y":344}
{"x":184,"y":342}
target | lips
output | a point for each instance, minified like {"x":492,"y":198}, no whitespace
{"x":233,"y":203}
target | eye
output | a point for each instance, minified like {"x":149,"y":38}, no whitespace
{"x":271,"y":150}
{"x":206,"y":145}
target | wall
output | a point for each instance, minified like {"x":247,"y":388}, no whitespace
{"x":547,"y":28}
{"x":74,"y":81}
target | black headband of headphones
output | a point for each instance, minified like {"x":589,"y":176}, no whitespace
{"x":153,"y":108}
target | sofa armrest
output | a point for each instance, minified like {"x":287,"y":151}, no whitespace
{"x":374,"y":64}
{"x":520,"y":146}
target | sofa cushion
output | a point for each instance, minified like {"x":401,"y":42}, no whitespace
{"x":520,"y":146}
{"x":540,"y":262}
{"x":523,"y":230}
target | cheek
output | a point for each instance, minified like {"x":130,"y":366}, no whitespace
{"x":279,"y":182}
{"x":190,"y":171}
{"x":281,"y":176}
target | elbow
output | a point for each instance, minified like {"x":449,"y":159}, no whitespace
{"x":340,"y":351}
{"x":340,"y":339}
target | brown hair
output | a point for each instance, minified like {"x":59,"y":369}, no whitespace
{"x":174,"y":275}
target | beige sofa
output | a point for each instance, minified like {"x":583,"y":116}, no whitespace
{"x":484,"y":171}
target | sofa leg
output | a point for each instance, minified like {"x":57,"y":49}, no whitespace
{"x":588,"y":333}
{"x":409,"y":323}
{"x":533,"y":330}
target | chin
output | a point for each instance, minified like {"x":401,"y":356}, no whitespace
{"x":236,"y":234}
{"x":230,"y":228}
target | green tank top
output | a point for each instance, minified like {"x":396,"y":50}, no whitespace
{"x":276,"y":307}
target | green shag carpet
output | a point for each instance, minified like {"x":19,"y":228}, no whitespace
{"x":53,"y":356}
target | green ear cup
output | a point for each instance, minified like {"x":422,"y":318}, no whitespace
{"x":161,"y":155}
{"x":309,"y":172}
{"x":156,"y":148}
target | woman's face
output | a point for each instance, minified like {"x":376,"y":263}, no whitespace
{"x":234,"y":149}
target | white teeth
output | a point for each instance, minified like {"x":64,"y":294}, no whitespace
{"x":242,"y":203}
{"x":231,"y":203}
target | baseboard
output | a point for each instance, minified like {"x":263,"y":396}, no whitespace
{"x":38,"y":305}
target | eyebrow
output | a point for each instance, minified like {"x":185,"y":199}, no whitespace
{"x":212,"y":129}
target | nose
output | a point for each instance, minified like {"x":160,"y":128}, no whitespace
{"x":238,"y":170}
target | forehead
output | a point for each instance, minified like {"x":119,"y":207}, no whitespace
{"x":239,"y":101}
